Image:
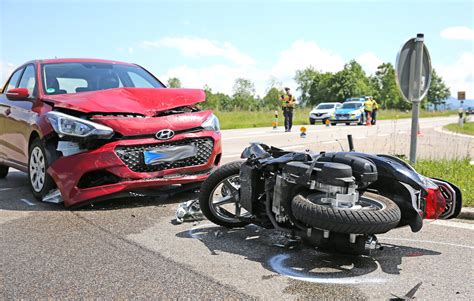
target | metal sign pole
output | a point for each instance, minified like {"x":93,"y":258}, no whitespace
{"x":416,"y":95}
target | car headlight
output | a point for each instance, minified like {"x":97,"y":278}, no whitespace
{"x":212,"y":124}
{"x":67,"y":125}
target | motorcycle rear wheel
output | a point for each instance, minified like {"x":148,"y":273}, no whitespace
{"x":378,"y":216}
{"x":219,"y":197}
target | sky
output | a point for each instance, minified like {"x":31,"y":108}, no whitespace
{"x":214,"y":42}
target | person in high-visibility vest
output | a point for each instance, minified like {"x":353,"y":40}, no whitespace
{"x":287,"y":105}
{"x":375,"y":108}
{"x":368,"y":107}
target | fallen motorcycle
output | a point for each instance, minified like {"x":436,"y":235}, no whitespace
{"x":333,"y":200}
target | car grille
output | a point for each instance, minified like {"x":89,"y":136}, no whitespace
{"x":343,"y":115}
{"x":132,"y":155}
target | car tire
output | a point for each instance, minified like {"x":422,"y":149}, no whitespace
{"x":348,"y":123}
{"x":3,"y":171}
{"x":312,"y":121}
{"x":324,"y":121}
{"x":40,"y":182}
{"x":344,"y":220}
{"x":333,"y":123}
{"x":206,"y":194}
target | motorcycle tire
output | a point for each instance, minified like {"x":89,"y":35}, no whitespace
{"x":207,"y":190}
{"x":345,"y":220}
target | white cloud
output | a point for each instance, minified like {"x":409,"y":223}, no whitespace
{"x":458,"y":33}
{"x":199,"y":47}
{"x":220,"y":78}
{"x":5,"y":71}
{"x":302,"y":54}
{"x":460,"y":75}
{"x":369,"y":62}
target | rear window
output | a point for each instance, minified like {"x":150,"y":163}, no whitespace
{"x":77,"y":77}
{"x":352,"y":105}
{"x":324,"y":106}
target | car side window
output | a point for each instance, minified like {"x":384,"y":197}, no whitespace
{"x":13,"y":80}
{"x":28,"y":80}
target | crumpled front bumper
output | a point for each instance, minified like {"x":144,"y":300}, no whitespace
{"x":95,"y":174}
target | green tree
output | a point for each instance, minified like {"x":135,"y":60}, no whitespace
{"x":244,"y":94}
{"x":349,"y":82}
{"x":174,"y":82}
{"x":386,"y":91}
{"x":272,"y":99}
{"x":438,"y":91}
{"x":314,"y":86}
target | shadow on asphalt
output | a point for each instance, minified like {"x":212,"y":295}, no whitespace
{"x":263,"y":246}
{"x":15,"y":187}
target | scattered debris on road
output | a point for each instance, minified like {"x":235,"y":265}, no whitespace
{"x":189,"y":212}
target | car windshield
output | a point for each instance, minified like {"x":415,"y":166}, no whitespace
{"x":324,"y":107}
{"x":68,"y":78}
{"x":352,"y":105}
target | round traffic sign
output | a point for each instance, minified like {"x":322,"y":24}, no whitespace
{"x":405,"y":74}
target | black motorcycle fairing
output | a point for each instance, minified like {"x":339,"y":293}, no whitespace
{"x":394,"y":168}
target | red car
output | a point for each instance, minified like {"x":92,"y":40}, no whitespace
{"x":100,"y":129}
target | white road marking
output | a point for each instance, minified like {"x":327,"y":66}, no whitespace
{"x":27,"y":202}
{"x":4,"y":189}
{"x":453,"y":224}
{"x":277,"y":264}
{"x":383,"y":135}
{"x":360,"y":138}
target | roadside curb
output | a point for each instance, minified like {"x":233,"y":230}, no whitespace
{"x":440,"y":129}
{"x":466,"y":213}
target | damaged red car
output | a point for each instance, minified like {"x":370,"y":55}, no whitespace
{"x":96,"y":129}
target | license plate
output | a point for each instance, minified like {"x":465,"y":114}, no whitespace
{"x":169,"y":154}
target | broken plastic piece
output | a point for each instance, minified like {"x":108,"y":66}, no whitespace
{"x":54,"y":196}
{"x":189,"y":212}
{"x":69,"y":148}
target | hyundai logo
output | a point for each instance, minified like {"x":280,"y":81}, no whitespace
{"x":165,"y":134}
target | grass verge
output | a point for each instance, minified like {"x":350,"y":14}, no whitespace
{"x":251,"y":119}
{"x":459,"y":172}
{"x":467,"y":129}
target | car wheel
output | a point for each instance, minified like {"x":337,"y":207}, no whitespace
{"x":324,"y":121}
{"x":333,"y":123}
{"x":311,"y":121}
{"x":40,"y":182}
{"x":3,"y":171}
{"x":348,"y":123}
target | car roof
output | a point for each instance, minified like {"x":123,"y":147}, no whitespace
{"x":329,"y":103}
{"x":360,"y":102}
{"x":78,"y":60}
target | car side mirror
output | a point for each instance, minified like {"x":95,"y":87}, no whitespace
{"x":17,"y":94}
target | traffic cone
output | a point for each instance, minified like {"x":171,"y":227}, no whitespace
{"x":328,"y":123}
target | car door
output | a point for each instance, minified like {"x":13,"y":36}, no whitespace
{"x":19,"y":122}
{"x":5,"y":111}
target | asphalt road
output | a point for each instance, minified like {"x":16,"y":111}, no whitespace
{"x":131,"y":248}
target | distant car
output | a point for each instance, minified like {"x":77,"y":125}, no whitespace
{"x":99,"y":129}
{"x":323,"y":112}
{"x":470,"y":111}
{"x":361,"y":98}
{"x":349,"y":112}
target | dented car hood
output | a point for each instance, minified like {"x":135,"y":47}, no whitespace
{"x":144,"y":101}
